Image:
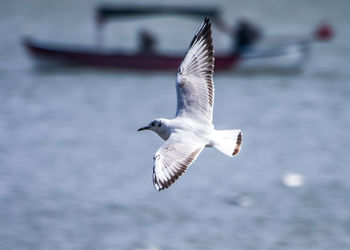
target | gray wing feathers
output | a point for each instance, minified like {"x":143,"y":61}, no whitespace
{"x":172,"y":160}
{"x":194,"y":83}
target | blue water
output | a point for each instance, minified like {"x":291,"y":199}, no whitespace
{"x":75,"y":174}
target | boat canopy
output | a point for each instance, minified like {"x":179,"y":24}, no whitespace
{"x":105,"y":12}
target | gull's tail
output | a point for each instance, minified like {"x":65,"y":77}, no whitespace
{"x":228,"y":141}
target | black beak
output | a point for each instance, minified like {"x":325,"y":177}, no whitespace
{"x":143,"y":128}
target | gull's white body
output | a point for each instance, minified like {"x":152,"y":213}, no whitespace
{"x":192,"y":129}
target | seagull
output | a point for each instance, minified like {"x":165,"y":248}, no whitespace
{"x":192,"y":129}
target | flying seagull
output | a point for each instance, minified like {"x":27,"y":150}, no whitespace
{"x":192,"y":129}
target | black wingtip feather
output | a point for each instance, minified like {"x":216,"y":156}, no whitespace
{"x":203,"y":31}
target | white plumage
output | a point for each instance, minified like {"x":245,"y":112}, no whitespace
{"x":191,"y":130}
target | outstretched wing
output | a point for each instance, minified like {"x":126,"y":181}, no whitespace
{"x":194,"y":81}
{"x":174,"y":157}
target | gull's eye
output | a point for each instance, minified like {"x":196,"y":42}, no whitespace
{"x":152,"y":124}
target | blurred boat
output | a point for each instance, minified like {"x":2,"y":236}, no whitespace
{"x":282,"y":54}
{"x":289,"y":56}
{"x":48,"y":54}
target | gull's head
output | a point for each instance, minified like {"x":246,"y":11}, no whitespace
{"x":160,"y":126}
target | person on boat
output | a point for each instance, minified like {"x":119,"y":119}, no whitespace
{"x":246,"y":35}
{"x":147,"y":42}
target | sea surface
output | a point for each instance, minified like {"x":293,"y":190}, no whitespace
{"x":75,"y":174}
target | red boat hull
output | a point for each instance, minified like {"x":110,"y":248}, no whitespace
{"x":68,"y":55}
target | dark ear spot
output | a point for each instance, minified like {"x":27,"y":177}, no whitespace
{"x":160,"y":124}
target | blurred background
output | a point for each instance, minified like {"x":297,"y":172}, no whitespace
{"x":75,"y":174}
